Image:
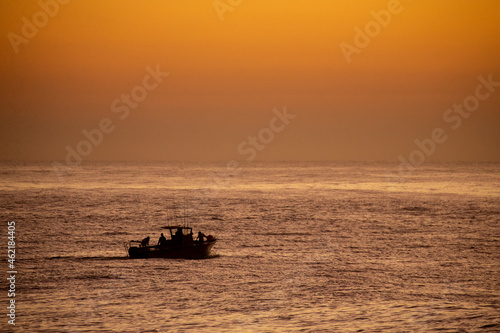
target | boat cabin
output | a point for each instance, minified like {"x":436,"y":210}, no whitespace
{"x":179,"y":234}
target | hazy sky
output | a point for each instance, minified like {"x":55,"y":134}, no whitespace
{"x":355,"y":96}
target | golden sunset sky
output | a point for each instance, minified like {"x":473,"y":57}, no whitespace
{"x":227,"y":75}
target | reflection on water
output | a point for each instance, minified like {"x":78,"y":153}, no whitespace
{"x":302,"y":248}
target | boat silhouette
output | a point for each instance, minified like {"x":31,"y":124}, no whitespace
{"x":180,"y":245}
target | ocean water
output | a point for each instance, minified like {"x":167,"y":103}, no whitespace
{"x":303,"y":247}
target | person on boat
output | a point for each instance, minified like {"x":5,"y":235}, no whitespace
{"x":190,"y":239}
{"x":162,"y":241}
{"x":145,"y":242}
{"x":178,"y":236}
{"x":201,"y":236}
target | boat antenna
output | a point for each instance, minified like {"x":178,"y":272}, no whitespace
{"x":176,"y":215}
{"x":185,"y":212}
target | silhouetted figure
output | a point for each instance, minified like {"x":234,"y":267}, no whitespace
{"x":145,"y":242}
{"x":162,"y":241}
{"x":178,"y":236}
{"x":201,"y":236}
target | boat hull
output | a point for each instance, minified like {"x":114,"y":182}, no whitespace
{"x":194,"y":251}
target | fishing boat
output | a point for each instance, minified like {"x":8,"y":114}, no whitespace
{"x":180,"y":245}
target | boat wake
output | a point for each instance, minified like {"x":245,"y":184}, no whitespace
{"x":81,"y":258}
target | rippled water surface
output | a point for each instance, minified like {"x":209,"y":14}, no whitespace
{"x":309,"y":247}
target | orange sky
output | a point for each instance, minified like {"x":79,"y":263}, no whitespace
{"x":226,"y":76}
